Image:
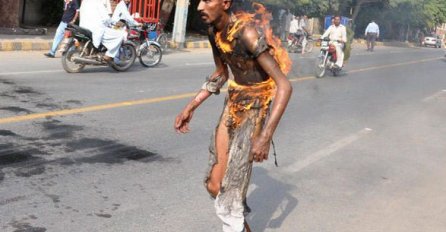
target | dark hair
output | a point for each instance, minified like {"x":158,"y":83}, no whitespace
{"x":337,"y":16}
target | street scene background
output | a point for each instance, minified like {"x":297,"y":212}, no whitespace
{"x":97,"y":150}
{"x":363,"y":151}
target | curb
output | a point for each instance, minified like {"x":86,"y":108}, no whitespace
{"x":197,"y":44}
{"x":25,"y":45}
{"x":46,"y":45}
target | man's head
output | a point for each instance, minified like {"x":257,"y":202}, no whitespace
{"x":127,"y":1}
{"x":337,"y":20}
{"x":211,"y":11}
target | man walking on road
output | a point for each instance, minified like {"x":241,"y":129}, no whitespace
{"x":371,"y":33}
{"x":244,"y":132}
{"x":71,"y":11}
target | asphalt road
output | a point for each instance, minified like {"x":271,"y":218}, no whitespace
{"x":96,"y":151}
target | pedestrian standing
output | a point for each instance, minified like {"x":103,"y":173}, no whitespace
{"x":248,"y":121}
{"x":371,"y":33}
{"x":71,"y":12}
{"x":303,"y":25}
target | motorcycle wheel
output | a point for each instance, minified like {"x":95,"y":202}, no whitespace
{"x":320,"y":66}
{"x":309,"y":46}
{"x":289,"y":48}
{"x":68,"y":65}
{"x":150,"y":55}
{"x":162,"y":40}
{"x":127,"y":56}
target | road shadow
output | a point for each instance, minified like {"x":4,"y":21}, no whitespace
{"x":272,"y":201}
{"x":30,"y":156}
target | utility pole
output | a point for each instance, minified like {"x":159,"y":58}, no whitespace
{"x":179,"y":24}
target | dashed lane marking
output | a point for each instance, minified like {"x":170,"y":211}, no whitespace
{"x":435,"y":96}
{"x":325,"y":152}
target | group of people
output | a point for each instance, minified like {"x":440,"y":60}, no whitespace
{"x":296,"y":26}
{"x":98,"y":17}
{"x":299,"y":29}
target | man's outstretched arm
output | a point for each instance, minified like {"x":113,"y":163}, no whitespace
{"x":213,"y":84}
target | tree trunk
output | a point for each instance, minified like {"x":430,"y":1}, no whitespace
{"x":356,"y":10}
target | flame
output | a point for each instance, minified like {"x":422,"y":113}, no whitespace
{"x":244,"y":98}
{"x":262,"y":19}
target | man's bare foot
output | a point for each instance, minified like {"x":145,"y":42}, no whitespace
{"x":247,"y":227}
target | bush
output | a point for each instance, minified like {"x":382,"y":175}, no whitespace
{"x":348,"y":45}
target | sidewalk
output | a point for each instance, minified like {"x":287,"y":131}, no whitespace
{"x":44,"y":42}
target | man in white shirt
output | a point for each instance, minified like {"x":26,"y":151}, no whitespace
{"x":371,"y":33}
{"x":294,"y":27}
{"x":338,"y":37}
{"x":122,"y":12}
{"x":94,"y":17}
{"x":303,"y":26}
{"x":107,"y":5}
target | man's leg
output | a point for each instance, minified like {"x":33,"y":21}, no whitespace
{"x":368,"y":41}
{"x":339,"y":55}
{"x":372,"y":41}
{"x":219,"y":169}
{"x":230,"y":222}
{"x":112,"y":40}
{"x":58,"y":37}
{"x":304,"y":43}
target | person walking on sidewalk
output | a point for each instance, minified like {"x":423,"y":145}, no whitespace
{"x":70,"y":14}
{"x":371,"y":33}
{"x":248,"y":121}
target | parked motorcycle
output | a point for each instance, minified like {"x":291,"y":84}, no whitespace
{"x":149,"y":52}
{"x":79,"y":52}
{"x":326,"y":59}
{"x":295,"y":46}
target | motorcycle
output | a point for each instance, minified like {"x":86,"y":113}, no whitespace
{"x":78,"y":51}
{"x":326,"y":59}
{"x":149,"y":52}
{"x":295,"y":46}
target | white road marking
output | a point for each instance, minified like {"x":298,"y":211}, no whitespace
{"x":331,"y":149}
{"x":435,"y":96}
{"x":31,"y":72}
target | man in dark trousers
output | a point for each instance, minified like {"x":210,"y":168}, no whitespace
{"x":371,"y":33}
{"x":70,"y":14}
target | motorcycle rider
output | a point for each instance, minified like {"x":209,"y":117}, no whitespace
{"x":338,"y":37}
{"x":294,"y":27}
{"x":122,"y":12}
{"x":94,"y":17}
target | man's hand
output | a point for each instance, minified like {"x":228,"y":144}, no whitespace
{"x":182,"y":121}
{"x":259,"y":149}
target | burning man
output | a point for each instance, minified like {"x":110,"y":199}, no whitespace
{"x":243,"y":45}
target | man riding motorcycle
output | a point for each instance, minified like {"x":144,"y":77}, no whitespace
{"x":338,"y":37}
{"x":122,"y":13}
{"x":94,"y":17}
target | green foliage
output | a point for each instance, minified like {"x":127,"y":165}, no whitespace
{"x":394,"y":16}
{"x":348,"y":45}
